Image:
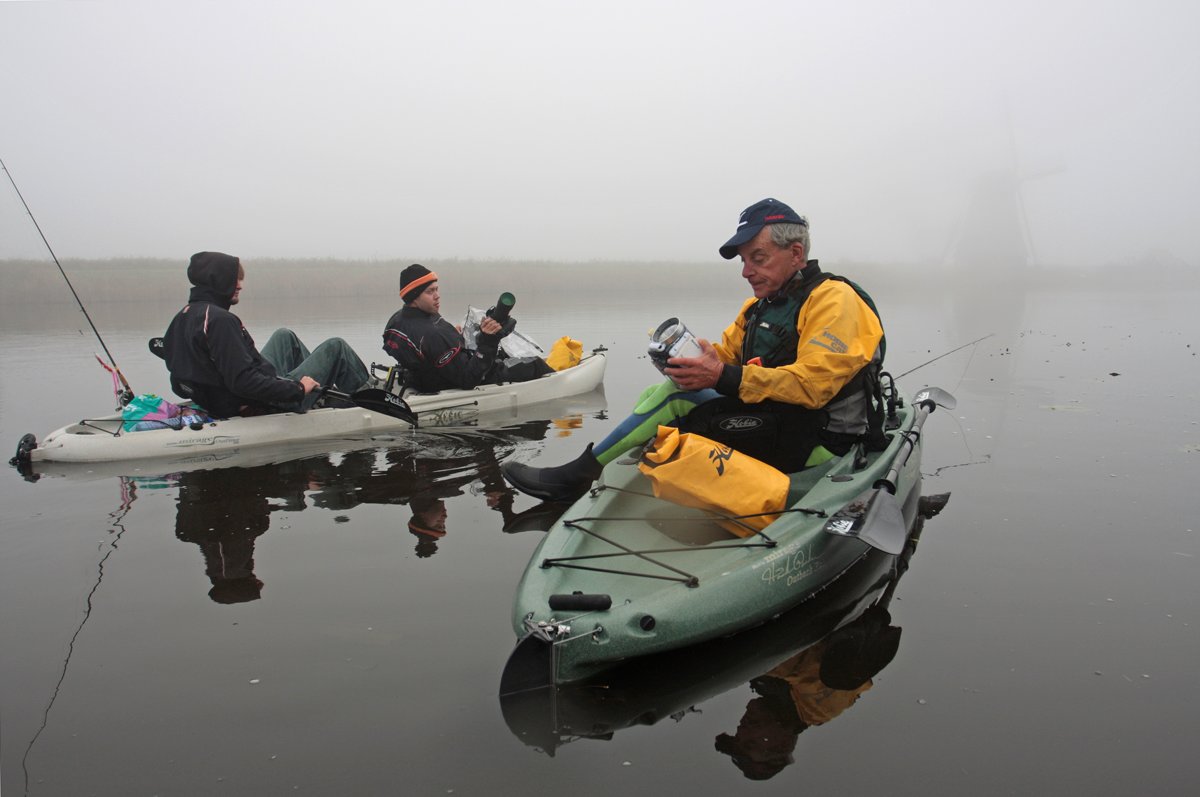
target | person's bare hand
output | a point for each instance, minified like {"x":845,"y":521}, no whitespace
{"x":309,"y":384}
{"x":489,"y":325}
{"x":696,"y":373}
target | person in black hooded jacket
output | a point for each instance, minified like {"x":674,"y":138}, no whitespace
{"x":213,"y":360}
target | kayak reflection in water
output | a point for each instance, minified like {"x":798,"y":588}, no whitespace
{"x":811,"y":688}
{"x":423,"y":470}
{"x":224,"y":511}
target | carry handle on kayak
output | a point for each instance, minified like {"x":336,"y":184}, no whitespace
{"x":875,"y":516}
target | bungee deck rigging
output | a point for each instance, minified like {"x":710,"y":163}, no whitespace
{"x":684,"y":577}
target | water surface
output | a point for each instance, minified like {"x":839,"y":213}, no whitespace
{"x":305,"y":626}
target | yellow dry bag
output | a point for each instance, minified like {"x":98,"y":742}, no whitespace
{"x":688,"y":469}
{"x":565,"y":352}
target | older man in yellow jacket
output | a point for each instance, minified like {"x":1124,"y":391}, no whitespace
{"x":791,"y":381}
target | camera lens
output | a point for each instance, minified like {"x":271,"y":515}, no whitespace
{"x":504,"y":306}
{"x":667,"y":331}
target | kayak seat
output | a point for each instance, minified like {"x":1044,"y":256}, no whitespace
{"x":802,"y":481}
{"x":396,"y":380}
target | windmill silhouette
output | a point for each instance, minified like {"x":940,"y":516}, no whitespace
{"x":993,"y":233}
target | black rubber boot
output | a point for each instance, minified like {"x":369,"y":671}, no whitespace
{"x":561,"y":483}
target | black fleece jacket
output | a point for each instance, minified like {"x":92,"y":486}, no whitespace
{"x":434,"y":352}
{"x":211,"y":356}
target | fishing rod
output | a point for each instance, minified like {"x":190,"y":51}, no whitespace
{"x":128,"y":394}
{"x":947,"y":354}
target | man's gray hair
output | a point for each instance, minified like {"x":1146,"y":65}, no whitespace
{"x":783,"y":235}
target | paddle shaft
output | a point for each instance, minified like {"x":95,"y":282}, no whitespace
{"x":888,"y":482}
{"x":880,"y":521}
{"x":927,"y":399}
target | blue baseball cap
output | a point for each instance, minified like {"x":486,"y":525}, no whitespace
{"x":754,"y":218}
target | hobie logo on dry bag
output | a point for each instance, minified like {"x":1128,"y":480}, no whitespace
{"x":719,"y":455}
{"x":740,"y":423}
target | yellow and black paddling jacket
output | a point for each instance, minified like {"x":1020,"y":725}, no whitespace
{"x":815,"y":344}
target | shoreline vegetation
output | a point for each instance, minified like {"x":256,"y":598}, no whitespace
{"x":150,"y":279}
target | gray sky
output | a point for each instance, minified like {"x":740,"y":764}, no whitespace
{"x":609,"y":130}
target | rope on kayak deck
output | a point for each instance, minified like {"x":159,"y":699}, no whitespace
{"x":682,"y":576}
{"x":90,"y":423}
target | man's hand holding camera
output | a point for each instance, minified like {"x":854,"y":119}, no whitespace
{"x":696,"y":373}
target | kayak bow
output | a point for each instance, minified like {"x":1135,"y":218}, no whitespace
{"x":623,"y":574}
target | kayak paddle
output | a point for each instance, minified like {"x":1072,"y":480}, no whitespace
{"x":874,"y":516}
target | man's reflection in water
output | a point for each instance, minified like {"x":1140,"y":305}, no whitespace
{"x":224,"y":512}
{"x":811,"y":688}
{"x":822,"y":681}
{"x":428,"y":523}
{"x":426,"y":470}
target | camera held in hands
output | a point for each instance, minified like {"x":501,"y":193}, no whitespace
{"x":672,"y":339}
{"x":504,"y":305}
{"x":499,"y":312}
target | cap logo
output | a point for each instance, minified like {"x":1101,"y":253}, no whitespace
{"x":776,"y":217}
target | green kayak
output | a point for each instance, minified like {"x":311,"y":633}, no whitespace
{"x":622,"y":574}
{"x":842,"y":638}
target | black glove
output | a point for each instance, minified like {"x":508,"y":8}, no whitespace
{"x":506,"y":328}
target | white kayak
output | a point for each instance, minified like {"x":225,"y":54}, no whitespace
{"x":102,"y":439}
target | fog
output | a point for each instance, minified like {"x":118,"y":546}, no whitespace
{"x":1046,"y":133}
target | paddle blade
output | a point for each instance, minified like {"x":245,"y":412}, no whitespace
{"x":379,"y":400}
{"x":875,"y":518}
{"x":529,"y":666}
{"x":935,"y":396}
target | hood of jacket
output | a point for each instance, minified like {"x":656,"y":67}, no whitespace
{"x":214,"y":277}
